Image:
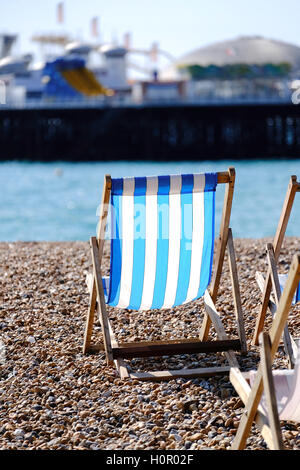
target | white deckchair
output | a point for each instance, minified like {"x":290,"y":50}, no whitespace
{"x":281,"y":398}
{"x":286,"y":385}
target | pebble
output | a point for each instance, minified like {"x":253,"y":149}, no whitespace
{"x":54,"y":397}
{"x":195,"y":437}
{"x":31,"y":339}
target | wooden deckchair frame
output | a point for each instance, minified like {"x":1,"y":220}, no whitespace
{"x":251,"y":396}
{"x":117,"y":352}
{"x":293,"y":188}
{"x":290,"y":346}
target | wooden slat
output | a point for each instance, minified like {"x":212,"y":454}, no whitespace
{"x":223,"y":177}
{"x":218,"y":325}
{"x":113,"y":340}
{"x":93,"y":284}
{"x":214,"y":316}
{"x":285,"y":303}
{"x":221,"y":248}
{"x":91,"y":313}
{"x":122,"y":369}
{"x":243,"y":389}
{"x":90,"y":319}
{"x":158,"y":342}
{"x":277,"y":243}
{"x":269,"y":389}
{"x":272,"y":307}
{"x":273,"y":272}
{"x":101,"y":300}
{"x":277,"y":292}
{"x":261,"y":284}
{"x":285,"y":215}
{"x":173,"y":349}
{"x":224,"y":226}
{"x":185,"y":373}
{"x":103,"y":212}
{"x":119,"y":363}
{"x":236,"y":293}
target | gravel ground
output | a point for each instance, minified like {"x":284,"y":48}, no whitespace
{"x":54,"y":397}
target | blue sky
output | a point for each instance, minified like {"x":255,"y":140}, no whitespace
{"x":177,"y":25}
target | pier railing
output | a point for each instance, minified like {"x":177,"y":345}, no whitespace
{"x":44,"y":103}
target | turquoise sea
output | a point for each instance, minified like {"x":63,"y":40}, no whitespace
{"x":58,"y":201}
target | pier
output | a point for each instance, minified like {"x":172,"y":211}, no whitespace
{"x":151,"y":132}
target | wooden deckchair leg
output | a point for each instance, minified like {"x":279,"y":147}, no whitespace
{"x":90,"y":318}
{"x":218,"y":325}
{"x":236,"y":292}
{"x":266,"y":383}
{"x":277,"y":243}
{"x":269,"y":390}
{"x":100,"y":238}
{"x":220,"y":251}
{"x":275,"y":334}
{"x":277,"y":293}
{"x":101,"y":300}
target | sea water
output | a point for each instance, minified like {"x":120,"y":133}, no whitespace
{"x":59,"y":201}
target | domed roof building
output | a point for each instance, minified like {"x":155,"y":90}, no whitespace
{"x":246,"y":50}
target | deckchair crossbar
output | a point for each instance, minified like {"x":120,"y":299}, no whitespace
{"x":198,"y":347}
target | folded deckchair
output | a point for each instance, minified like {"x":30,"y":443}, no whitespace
{"x":281,"y":398}
{"x":266,"y":287}
{"x":161,"y":256}
{"x":270,"y":397}
{"x":278,"y":282}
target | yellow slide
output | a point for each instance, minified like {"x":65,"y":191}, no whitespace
{"x":85,"y":82}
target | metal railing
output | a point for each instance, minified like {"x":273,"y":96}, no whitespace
{"x":128,"y":102}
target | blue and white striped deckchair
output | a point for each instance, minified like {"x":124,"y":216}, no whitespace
{"x":161,"y":256}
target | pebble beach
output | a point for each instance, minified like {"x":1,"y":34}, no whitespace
{"x":52,"y":397}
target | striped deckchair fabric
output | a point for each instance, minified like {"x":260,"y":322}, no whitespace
{"x":162,"y":250}
{"x":161,"y":231}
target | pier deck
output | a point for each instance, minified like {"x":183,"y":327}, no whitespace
{"x":189,"y":132}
